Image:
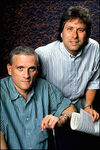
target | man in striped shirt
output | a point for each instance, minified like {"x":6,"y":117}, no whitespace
{"x":72,"y":63}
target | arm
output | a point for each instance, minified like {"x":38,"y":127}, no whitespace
{"x":50,"y":121}
{"x":69,"y":110}
{"x":90,"y":96}
{"x":3,"y":144}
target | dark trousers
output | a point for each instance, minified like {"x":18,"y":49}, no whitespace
{"x":67,"y":139}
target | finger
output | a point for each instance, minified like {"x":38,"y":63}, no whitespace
{"x":44,"y":122}
{"x":52,"y":122}
{"x":93,"y":113}
{"x":49,"y":122}
{"x":95,"y":116}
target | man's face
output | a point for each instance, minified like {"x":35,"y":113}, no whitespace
{"x":23,"y":71}
{"x":73,"y":35}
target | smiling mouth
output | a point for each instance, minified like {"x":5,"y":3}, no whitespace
{"x":74,"y":42}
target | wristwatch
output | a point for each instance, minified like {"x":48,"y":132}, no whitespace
{"x":88,"y":106}
{"x":65,"y":115}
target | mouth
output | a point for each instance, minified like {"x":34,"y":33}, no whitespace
{"x":27,"y":81}
{"x":74,"y":43}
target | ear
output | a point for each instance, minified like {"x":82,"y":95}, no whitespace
{"x":9,"y":69}
{"x":61,"y":35}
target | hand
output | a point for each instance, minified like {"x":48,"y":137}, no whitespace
{"x":49,"y":121}
{"x":94,"y":113}
{"x":62,"y":120}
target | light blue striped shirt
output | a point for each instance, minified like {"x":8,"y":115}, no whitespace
{"x":71,"y":74}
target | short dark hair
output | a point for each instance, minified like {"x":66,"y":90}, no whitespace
{"x":73,"y":13}
{"x":25,"y":50}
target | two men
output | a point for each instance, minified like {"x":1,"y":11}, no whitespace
{"x":72,"y":64}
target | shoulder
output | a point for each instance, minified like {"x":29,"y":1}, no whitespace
{"x":5,"y":82}
{"x":93,"y":42}
{"x":92,"y":51}
{"x":92,"y":46}
{"x":48,"y":47}
{"x":40,"y":82}
{"x":5,"y":88}
{"x":44,"y":84}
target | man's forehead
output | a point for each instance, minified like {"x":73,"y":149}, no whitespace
{"x":75,"y":20}
{"x":18,"y":56}
{"x":24,"y":58}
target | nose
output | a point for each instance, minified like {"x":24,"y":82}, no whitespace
{"x":75,"y":34}
{"x":26,"y":74}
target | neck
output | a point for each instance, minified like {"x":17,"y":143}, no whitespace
{"x":25,"y":95}
{"x":74,"y":53}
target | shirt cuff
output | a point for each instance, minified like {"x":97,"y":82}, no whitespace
{"x":64,"y":105}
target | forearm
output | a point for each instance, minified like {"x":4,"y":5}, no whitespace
{"x":3,"y":144}
{"x":69,"y":110}
{"x":90,"y":96}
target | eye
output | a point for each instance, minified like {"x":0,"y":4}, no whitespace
{"x":81,"y":29}
{"x":32,"y":69}
{"x":20,"y":68}
{"x":69,"y":28}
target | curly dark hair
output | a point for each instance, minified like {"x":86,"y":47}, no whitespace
{"x":73,"y":13}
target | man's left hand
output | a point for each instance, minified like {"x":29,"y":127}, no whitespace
{"x":94,"y":113}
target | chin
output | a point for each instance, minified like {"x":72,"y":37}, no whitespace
{"x":26,"y":88}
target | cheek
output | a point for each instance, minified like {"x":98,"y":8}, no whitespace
{"x":14,"y":73}
{"x":16,"y":76}
{"x":65,"y":35}
{"x":16,"y":80}
{"x":82,"y":36}
{"x":33,"y":75}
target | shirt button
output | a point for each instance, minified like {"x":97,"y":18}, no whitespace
{"x":29,"y":133}
{"x":27,"y":118}
{"x":72,"y":56}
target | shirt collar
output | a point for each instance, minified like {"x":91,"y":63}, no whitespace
{"x":31,"y":94}
{"x":13,"y":92}
{"x":63,"y":49}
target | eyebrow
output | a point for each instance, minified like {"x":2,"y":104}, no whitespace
{"x":24,"y":66}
